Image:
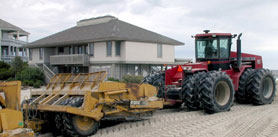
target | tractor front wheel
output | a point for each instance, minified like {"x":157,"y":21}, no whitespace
{"x":217,"y":92}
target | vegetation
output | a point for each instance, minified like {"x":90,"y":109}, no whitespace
{"x":17,"y":65}
{"x":5,"y":71}
{"x":18,"y":70}
{"x":132,"y":79}
{"x":113,"y":79}
{"x":31,"y":77}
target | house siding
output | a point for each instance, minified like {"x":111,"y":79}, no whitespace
{"x":133,"y":52}
{"x":147,"y":52}
{"x":36,"y":57}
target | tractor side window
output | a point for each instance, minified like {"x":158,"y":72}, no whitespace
{"x":201,"y":49}
{"x":224,"y":48}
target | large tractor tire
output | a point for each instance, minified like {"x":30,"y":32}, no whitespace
{"x":262,"y":87}
{"x":217,"y":92}
{"x":77,"y":125}
{"x":156,"y":79}
{"x":242,"y":94}
{"x":190,"y":91}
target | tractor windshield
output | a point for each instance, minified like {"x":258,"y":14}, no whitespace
{"x":206,"y":48}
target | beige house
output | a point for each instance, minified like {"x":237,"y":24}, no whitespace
{"x":103,"y":43}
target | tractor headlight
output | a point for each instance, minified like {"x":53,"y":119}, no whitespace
{"x":188,"y":68}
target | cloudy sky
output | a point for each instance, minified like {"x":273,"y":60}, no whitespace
{"x":178,"y":19}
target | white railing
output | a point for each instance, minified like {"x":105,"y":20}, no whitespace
{"x":82,"y":59}
{"x":46,"y":68}
{"x":48,"y":73}
{"x":10,"y":58}
{"x":13,"y":42}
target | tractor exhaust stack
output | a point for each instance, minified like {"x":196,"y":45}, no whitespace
{"x":239,"y":51}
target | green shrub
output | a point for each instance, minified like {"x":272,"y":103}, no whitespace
{"x":40,"y":82}
{"x":132,"y":79}
{"x":10,"y":79}
{"x":113,"y":79}
{"x":5,"y":71}
{"x":30,"y":76}
{"x":30,"y":82}
{"x":25,"y":83}
{"x":37,"y":84}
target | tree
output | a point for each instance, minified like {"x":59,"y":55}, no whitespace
{"x":17,"y":65}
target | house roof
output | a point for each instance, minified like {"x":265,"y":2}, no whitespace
{"x":102,"y":30}
{"x":4,"y":25}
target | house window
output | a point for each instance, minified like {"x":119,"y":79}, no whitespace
{"x":41,"y":53}
{"x":70,"y":50}
{"x":86,"y":49}
{"x":60,"y":50}
{"x":92,"y":49}
{"x":159,"y":50}
{"x":14,"y":51}
{"x":109,"y":48}
{"x":11,"y":50}
{"x":30,"y":54}
{"x":118,"y":48}
{"x":79,"y":50}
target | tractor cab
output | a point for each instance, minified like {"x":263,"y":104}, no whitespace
{"x":214,"y":48}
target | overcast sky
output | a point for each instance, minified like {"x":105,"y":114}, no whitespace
{"x":178,"y":19}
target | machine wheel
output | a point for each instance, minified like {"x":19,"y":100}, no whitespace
{"x":217,"y":92}
{"x":262,"y":87}
{"x":76,"y":125}
{"x":242,"y":94}
{"x":29,"y":112}
{"x":156,"y":79}
{"x":190,"y":91}
{"x":59,"y":118}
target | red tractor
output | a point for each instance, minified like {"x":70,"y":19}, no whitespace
{"x":218,"y":76}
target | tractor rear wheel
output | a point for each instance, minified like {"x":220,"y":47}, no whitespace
{"x":190,"y":91}
{"x":242,"y":94}
{"x":262,"y":87}
{"x":217,"y":92}
{"x":76,"y":125}
{"x":156,"y":79}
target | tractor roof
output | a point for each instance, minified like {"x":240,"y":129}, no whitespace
{"x":213,"y":34}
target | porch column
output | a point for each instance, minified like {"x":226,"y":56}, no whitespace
{"x":16,"y":51}
{"x":9,"y":51}
{"x":112,"y":70}
{"x":27,"y":38}
{"x":17,"y":35}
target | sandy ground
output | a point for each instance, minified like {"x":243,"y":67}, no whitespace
{"x":241,"y":121}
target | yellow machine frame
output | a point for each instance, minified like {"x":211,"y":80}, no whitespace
{"x":99,"y":97}
{"x":11,"y":118}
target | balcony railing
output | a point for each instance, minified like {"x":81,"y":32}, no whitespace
{"x":10,"y":58}
{"x":73,"y":59}
{"x":12,"y":42}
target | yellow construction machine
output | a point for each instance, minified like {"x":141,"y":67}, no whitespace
{"x":74,"y":104}
{"x":11,"y":117}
